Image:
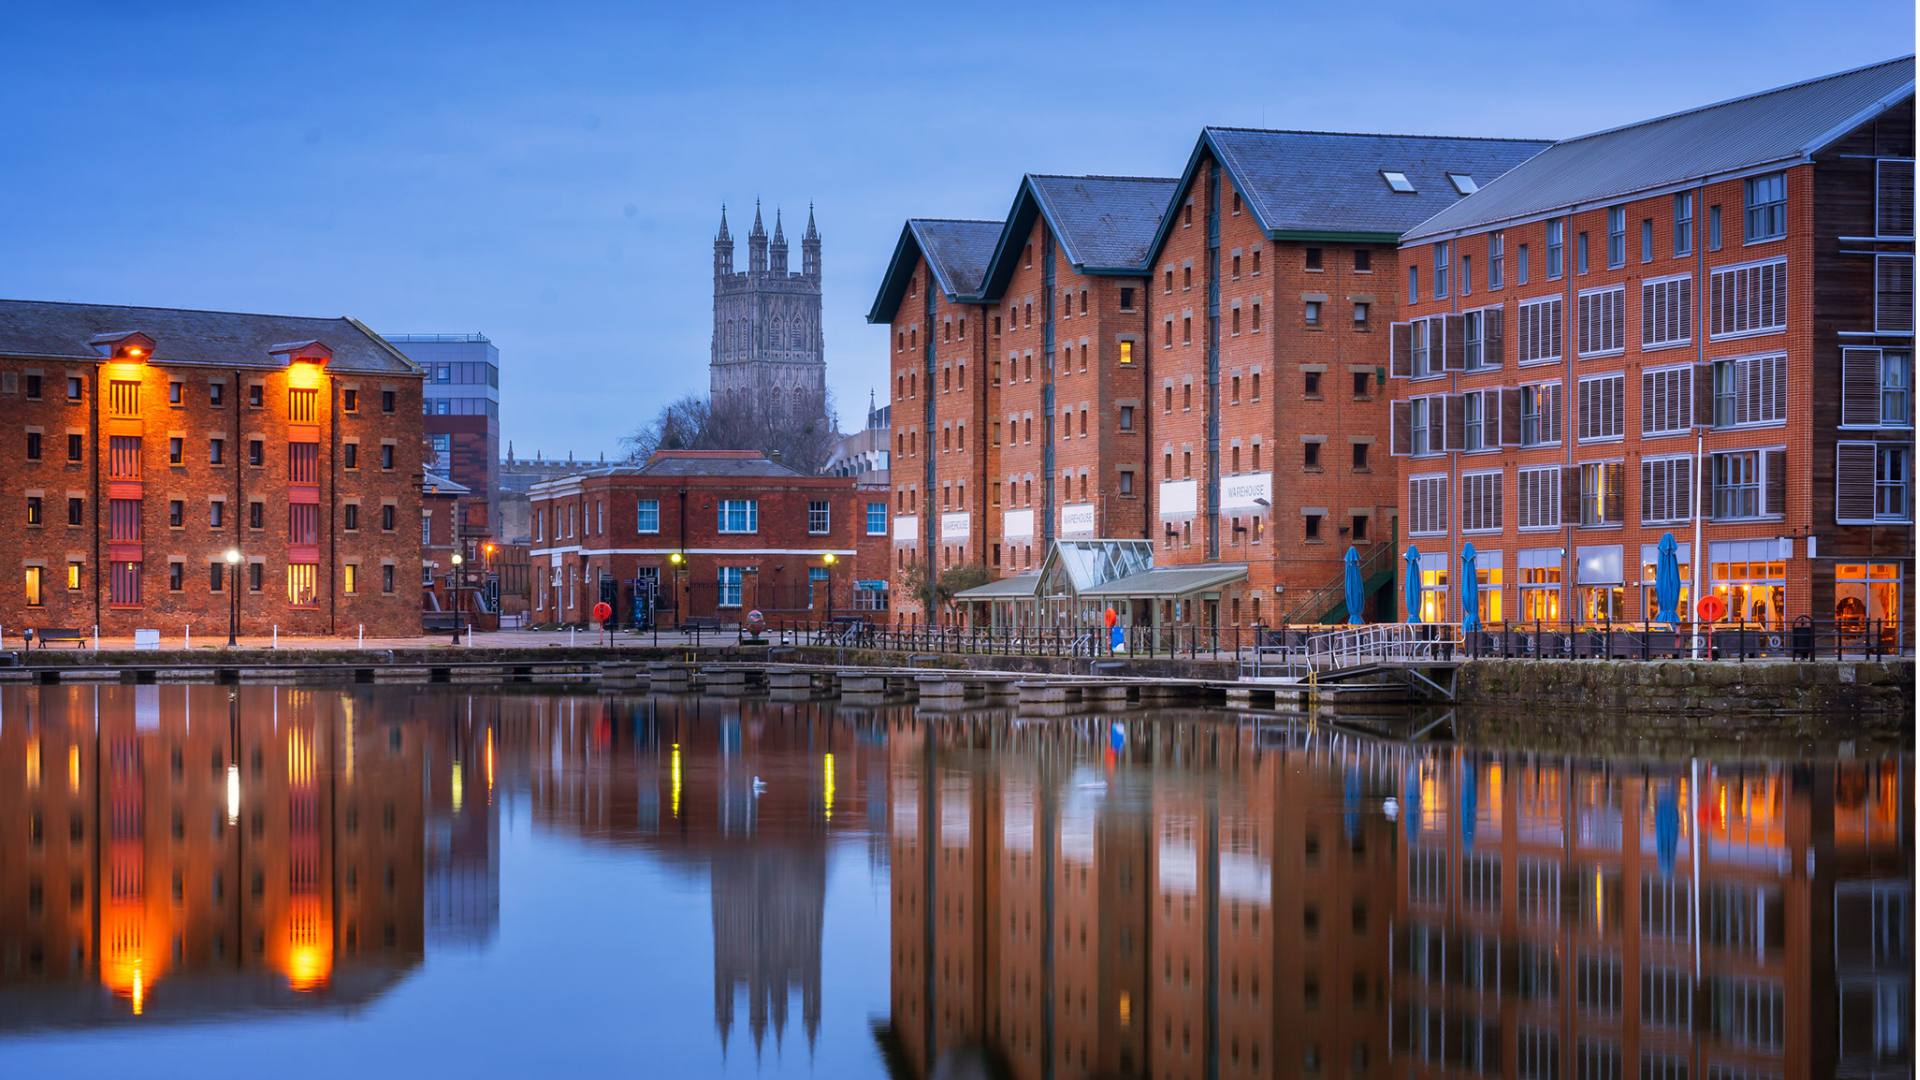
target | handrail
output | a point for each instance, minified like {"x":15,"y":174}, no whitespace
{"x":1320,"y":600}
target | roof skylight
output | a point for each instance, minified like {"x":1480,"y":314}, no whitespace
{"x":1463,"y":183}
{"x":1397,"y":180}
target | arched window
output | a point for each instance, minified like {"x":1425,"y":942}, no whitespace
{"x":729,"y":335}
{"x":773,"y":339}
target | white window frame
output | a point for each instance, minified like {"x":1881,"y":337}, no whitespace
{"x":826,"y":517}
{"x":871,"y":507}
{"x":1881,"y":323}
{"x":1552,"y":415}
{"x":1682,"y":465}
{"x":749,"y":508}
{"x":641,"y":511}
{"x":1682,"y":285}
{"x":1684,"y":393}
{"x":1595,"y":300}
{"x":1619,"y":419}
{"x":731,"y":582}
{"x":1616,"y":237}
{"x":1728,"y":273}
{"x":1470,"y":490}
{"x":1740,"y":365}
{"x":1496,"y":259}
{"x":1544,"y":476}
{"x":1899,"y":451}
{"x":1418,"y":504}
{"x":1550,"y":330}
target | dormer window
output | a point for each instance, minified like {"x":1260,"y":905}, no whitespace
{"x":1463,"y":183}
{"x":1397,"y":181}
{"x":128,"y":346}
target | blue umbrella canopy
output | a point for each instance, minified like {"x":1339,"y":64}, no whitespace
{"x":1413,"y":584}
{"x":1666,"y":581}
{"x":1469,"y":589}
{"x":1356,"y":599}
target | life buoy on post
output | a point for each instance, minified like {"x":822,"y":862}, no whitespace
{"x":1711,"y":608}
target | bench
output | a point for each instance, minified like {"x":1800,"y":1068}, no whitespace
{"x":45,"y":634}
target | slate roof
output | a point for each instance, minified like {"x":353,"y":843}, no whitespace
{"x":1103,"y":221}
{"x":1318,"y":182}
{"x":957,"y":250}
{"x":41,"y":328}
{"x":1781,"y":126}
{"x":711,"y":463}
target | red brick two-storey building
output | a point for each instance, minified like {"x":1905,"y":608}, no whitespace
{"x":1701,"y":324}
{"x":713,"y":534}
{"x":146,"y":444}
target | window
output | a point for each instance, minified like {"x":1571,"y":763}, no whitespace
{"x":123,"y":584}
{"x":1362,"y":261}
{"x":1737,"y":479}
{"x":1893,"y":199}
{"x":1413,"y":284}
{"x":876,"y":519}
{"x":1750,"y":391}
{"x":1766,"y":207}
{"x":1126,"y":352}
{"x":1360,"y":456}
{"x":216,"y":451}
{"x":174,"y":451}
{"x":216,"y":514}
{"x":302,"y":405}
{"x":1126,"y":418}
{"x":386,"y":578}
{"x":1312,"y":257}
{"x":1312,"y":311}
{"x":75,"y":446}
{"x":1480,"y":502}
{"x":648,"y":517}
{"x":76,"y":511}
{"x":1419,"y":427}
{"x":33,"y":387}
{"x":1540,"y":498}
{"x":1682,"y":224}
{"x":1474,"y":415}
{"x":1427,"y":505}
{"x":216,"y":577}
{"x":1397,"y":181}
{"x":1362,"y":385}
{"x":123,"y":398}
{"x":1312,"y":526}
{"x":350,"y":578}
{"x":386,"y":455}
{"x":123,"y":457}
{"x":350,"y":455}
{"x":176,"y":514}
{"x":1359,"y":527}
{"x":1602,"y":491}
{"x":1539,"y":331}
{"x":1603,"y":407}
{"x":1893,"y":294}
{"x":387,"y":517}
{"x":1892,"y":482}
{"x":303,"y":463}
{"x":1360,"y":315}
{"x":350,"y":516}
{"x":426,"y":529}
{"x":1126,"y":481}
{"x":386,"y":401}
{"x":303,"y":524}
{"x":1310,"y":381}
{"x":1616,"y":237}
{"x":256,"y":396}
{"x":33,"y":510}
{"x":176,"y":577}
{"x":739,"y":515}
{"x":75,"y":387}
{"x":1646,"y":240}
{"x":1126,"y":299}
{"x":1463,"y":183}
{"x":1580,"y":253}
{"x":349,"y":400}
{"x":256,"y":515}
{"x":1440,"y":270}
{"x":256,"y":452}
{"x":1310,"y":456}
{"x":1666,"y":312}
{"x":1521,"y":264}
{"x":1540,"y":414}
{"x":730,"y":577}
{"x":1496,"y":259}
{"x":1749,"y":299}
{"x":1556,"y":248}
{"x":1666,"y":401}
{"x":1466,"y":274}
{"x":817,"y":516}
{"x":1666,"y":490}
{"x":1873,"y":482}
{"x":123,"y":520}
{"x":1713,"y":227}
{"x":1603,"y":319}
{"x":33,"y":446}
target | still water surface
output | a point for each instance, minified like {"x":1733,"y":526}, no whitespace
{"x":376,"y":881}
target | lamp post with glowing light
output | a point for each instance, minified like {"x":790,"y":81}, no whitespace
{"x":829,"y":559}
{"x":233,"y":597}
{"x":679,"y":562}
{"x":453,"y":580}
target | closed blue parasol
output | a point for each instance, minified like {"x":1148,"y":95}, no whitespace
{"x":1469,"y":590}
{"x":1413,"y":584}
{"x":1666,"y":828}
{"x":1666,"y":581}
{"x":1356,"y":599}
{"x":1469,"y":798}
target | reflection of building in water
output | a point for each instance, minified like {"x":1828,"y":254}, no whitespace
{"x":1178,"y":909}
{"x":748,"y":790}
{"x":255,"y":848}
{"x":1196,"y":906}
{"x":1667,"y":921}
{"x":462,"y":860}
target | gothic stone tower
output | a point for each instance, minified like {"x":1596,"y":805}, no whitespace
{"x":767,"y":347}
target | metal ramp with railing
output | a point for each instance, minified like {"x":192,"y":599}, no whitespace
{"x":1371,"y":657}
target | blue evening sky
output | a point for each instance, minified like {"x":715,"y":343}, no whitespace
{"x":550,"y":174}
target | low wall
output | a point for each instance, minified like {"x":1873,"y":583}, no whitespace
{"x":1683,"y":689}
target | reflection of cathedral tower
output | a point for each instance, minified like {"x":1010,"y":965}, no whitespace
{"x":768,"y":350}
{"x":767,"y":910}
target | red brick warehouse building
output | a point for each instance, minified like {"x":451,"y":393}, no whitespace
{"x":747,"y":532}
{"x":147,"y":443}
{"x":1701,"y":324}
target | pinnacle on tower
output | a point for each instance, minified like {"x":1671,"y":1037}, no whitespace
{"x":810,"y":248}
{"x":812,"y":233}
{"x":757,"y":243}
{"x":779,"y":246}
{"x":723,"y":248}
{"x":758,"y":228}
{"x":778,"y":236}
{"x":723,"y":223}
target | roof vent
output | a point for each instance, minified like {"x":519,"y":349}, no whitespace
{"x":1397,"y":180}
{"x":1463,"y":183}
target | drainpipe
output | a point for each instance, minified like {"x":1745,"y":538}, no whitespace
{"x":100,"y":569}
{"x":1699,"y":329}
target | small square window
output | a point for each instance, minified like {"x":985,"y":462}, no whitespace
{"x":1463,"y":183}
{"x":1313,"y":313}
{"x":1313,"y":258}
{"x":256,"y":396}
{"x":349,"y":401}
{"x":1363,"y":260}
{"x":216,"y":394}
{"x":1397,"y":181}
{"x":1312,"y":380}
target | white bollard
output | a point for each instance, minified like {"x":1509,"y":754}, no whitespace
{"x":363,"y":635}
{"x":96,"y":637}
{"x":188,"y":643}
{"x":569,"y":637}
{"x":276,"y":635}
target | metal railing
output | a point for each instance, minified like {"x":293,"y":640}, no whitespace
{"x":1323,"y":599}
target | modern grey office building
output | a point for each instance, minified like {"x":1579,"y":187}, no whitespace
{"x":461,"y":400}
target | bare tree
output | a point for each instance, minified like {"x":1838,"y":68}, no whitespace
{"x":694,"y":423}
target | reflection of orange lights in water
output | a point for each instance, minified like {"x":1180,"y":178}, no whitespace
{"x":127,"y":967}
{"x":309,"y":960}
{"x":489,"y":762}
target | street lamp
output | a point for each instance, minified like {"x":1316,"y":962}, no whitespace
{"x":829,"y":560}
{"x":233,"y":598}
{"x":453,"y":580}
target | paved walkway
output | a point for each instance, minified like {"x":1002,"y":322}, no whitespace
{"x":10,"y":640}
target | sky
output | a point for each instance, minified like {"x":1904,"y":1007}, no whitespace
{"x":551,"y":174}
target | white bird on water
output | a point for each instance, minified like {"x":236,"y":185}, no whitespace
{"x":759,"y":785}
{"x":1391,"y":807}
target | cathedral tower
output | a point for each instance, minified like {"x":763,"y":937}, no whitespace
{"x":768,"y":350}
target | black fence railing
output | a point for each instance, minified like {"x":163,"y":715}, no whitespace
{"x":1803,"y":639}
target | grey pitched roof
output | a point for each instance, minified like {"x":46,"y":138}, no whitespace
{"x":1103,"y":221}
{"x":710,"y":463}
{"x":1313,"y":181}
{"x":1784,"y":125}
{"x":227,"y":339}
{"x":957,"y":250}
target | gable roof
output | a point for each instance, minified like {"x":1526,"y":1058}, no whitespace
{"x":1330,"y":185}
{"x":709,"y":463}
{"x":43,"y":328}
{"x":1782,"y":126}
{"x":957,"y":251}
{"x":1104,"y":224}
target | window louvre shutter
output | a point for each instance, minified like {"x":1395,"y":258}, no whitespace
{"x":1617,"y":405}
{"x":1893,"y":294}
{"x":1491,"y":420}
{"x":1893,"y":202}
{"x":1680,"y":476}
{"x":1453,"y":342}
{"x":1703,"y":395}
{"x":1402,"y":358}
{"x":1455,"y":408}
{"x":1860,"y":387}
{"x":1493,"y":331}
{"x":1706,"y":488}
{"x":1400,"y":438}
{"x":1509,"y":400}
{"x":1853,"y":482}
{"x":1614,"y":491}
{"x":1653,"y":492}
{"x":1776,"y":482}
{"x":1570,"y":494}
